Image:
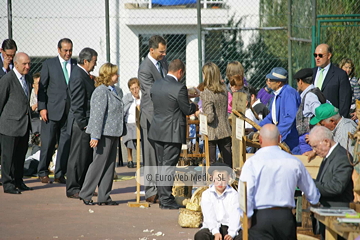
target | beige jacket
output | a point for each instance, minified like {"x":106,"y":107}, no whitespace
{"x":214,"y":105}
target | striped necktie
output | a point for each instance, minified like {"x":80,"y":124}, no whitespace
{"x":24,"y":86}
{"x":160,"y":68}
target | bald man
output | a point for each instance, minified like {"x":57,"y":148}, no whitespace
{"x":272,"y":176}
{"x":331,"y":80}
{"x":15,"y":123}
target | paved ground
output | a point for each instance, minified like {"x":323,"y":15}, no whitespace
{"x":46,"y":213}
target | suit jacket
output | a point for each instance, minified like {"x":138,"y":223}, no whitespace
{"x":171,"y":105}
{"x":81,"y":87}
{"x":14,"y":106}
{"x":214,"y":105}
{"x":337,"y":89}
{"x":106,"y":113}
{"x":2,"y":73}
{"x":287,"y":103}
{"x":334,"y":181}
{"x":53,"y":91}
{"x":147,"y":75}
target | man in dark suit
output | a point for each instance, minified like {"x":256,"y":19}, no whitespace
{"x":153,"y":67}
{"x":53,"y":105}
{"x":8,"y":51}
{"x":168,"y":127}
{"x":81,"y":87}
{"x":331,"y":80}
{"x":15,"y":124}
{"x":334,"y":176}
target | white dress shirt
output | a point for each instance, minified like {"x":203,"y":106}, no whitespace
{"x":220,"y":210}
{"x":272,"y":176}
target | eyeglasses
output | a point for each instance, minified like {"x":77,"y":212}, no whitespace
{"x":320,"y":55}
{"x":8,"y":56}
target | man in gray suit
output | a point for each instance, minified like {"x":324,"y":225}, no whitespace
{"x":168,"y":127}
{"x":8,"y":51}
{"x":53,"y":105}
{"x":15,"y":124}
{"x":334,"y":177}
{"x":81,"y":87}
{"x":154,"y":67}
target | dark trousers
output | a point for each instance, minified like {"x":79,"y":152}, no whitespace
{"x":167,"y":155}
{"x":13,"y":152}
{"x":225,"y":150}
{"x":80,"y":158}
{"x":205,"y":234}
{"x":149,"y":158}
{"x":274,"y":224}
{"x":52,"y":131}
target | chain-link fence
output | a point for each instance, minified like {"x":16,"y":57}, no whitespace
{"x":260,"y":34}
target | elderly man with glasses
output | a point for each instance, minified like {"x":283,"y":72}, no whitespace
{"x":334,"y":176}
{"x":331,"y":80}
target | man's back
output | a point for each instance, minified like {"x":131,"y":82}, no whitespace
{"x":171,"y":105}
{"x":272,"y":176}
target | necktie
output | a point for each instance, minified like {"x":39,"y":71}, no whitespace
{"x":114,"y":90}
{"x":321,"y":169}
{"x":160,"y":68}
{"x":66,"y":74}
{"x":24,"y":86}
{"x":273,"y":111}
{"x":320,"y":79}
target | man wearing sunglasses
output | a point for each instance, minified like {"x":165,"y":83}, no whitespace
{"x":331,"y":80}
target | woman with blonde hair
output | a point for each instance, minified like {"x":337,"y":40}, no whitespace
{"x":105,"y":127}
{"x":214,"y":104}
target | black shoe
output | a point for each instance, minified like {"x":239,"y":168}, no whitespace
{"x":12,"y":191}
{"x":130,"y":164}
{"x":23,"y":187}
{"x":107,"y":203}
{"x":88,"y":202}
{"x":170,"y":205}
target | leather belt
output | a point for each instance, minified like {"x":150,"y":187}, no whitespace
{"x":277,"y":208}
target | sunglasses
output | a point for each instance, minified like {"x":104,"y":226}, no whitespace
{"x":320,"y":55}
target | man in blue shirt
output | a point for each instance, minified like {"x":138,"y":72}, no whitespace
{"x":272,"y":176}
{"x":283,"y":107}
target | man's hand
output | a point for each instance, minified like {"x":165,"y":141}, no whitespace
{"x":353,"y":116}
{"x":44,"y":115}
{"x":316,"y":205}
{"x":217,"y":236}
{"x":34,"y":107}
{"x":227,"y":237}
{"x":310,"y":155}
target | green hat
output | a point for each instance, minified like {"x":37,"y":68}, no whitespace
{"x":322,"y":112}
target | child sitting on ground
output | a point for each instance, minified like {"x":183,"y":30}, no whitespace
{"x":220,"y":207}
